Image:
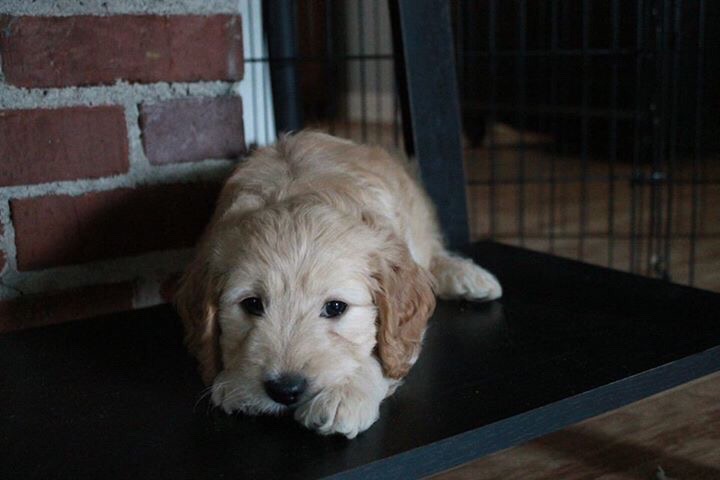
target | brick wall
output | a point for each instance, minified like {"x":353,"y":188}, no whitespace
{"x":118,"y":122}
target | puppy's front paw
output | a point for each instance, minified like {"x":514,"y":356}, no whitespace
{"x":461,"y":278}
{"x":342,"y":409}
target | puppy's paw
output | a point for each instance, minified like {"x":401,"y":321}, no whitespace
{"x":461,"y":278}
{"x":342,"y":409}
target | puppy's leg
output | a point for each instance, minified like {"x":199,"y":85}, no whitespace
{"x":455,"y":277}
{"x":347,"y":408}
{"x":458,"y":277}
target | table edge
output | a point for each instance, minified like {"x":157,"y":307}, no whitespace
{"x":471,"y":445}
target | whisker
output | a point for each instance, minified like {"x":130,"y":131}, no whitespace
{"x":233,"y":394}
{"x":207,"y":392}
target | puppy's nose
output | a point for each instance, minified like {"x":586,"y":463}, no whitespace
{"x":286,"y":388}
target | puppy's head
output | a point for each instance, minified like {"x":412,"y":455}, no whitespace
{"x":287,"y":300}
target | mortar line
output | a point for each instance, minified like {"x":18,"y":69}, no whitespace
{"x":211,"y":170}
{"x":63,"y":8}
{"x":139,"y":164}
{"x":157,"y":264}
{"x":8,"y":245}
{"x":146,"y":291}
{"x":18,"y":98}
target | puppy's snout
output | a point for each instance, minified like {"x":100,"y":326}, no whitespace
{"x":286,"y":388}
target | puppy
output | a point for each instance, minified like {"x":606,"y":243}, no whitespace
{"x":312,"y":286}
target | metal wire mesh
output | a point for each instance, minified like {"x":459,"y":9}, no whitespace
{"x":588,"y":133}
{"x":590,"y":126}
{"x":345,"y":69}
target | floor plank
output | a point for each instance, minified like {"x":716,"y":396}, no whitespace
{"x":678,"y":431}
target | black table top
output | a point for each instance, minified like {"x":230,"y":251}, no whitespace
{"x":118,"y":397}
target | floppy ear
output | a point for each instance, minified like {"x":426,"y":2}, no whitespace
{"x":405,"y":300}
{"x":196,"y":302}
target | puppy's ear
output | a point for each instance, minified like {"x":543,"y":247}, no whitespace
{"x":405,"y":300}
{"x":197,"y":303}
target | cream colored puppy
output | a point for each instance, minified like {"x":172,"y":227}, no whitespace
{"x":311,"y":288}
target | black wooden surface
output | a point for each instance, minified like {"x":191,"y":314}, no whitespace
{"x":117,"y":397}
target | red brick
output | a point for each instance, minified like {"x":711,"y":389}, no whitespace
{"x":44,"y":145}
{"x":63,"y":306}
{"x":192,"y":129}
{"x":91,"y":50}
{"x":61,"y":230}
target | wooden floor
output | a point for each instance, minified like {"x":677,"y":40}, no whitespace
{"x":543,"y":198}
{"x":677,"y":431}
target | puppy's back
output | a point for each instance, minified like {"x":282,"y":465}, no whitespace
{"x":359,"y":179}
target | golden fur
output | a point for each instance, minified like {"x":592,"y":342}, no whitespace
{"x":312,"y":219}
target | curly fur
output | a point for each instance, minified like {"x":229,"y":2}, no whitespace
{"x":317,"y":218}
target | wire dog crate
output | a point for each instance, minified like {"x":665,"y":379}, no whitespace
{"x":590,"y":127}
{"x":591,"y":131}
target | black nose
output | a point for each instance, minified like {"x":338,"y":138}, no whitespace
{"x":286,"y":389}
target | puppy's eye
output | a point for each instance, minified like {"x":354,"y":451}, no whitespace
{"x":253,"y":306}
{"x":333,"y":308}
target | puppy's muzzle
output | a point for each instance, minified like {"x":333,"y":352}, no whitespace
{"x":286,"y":388}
